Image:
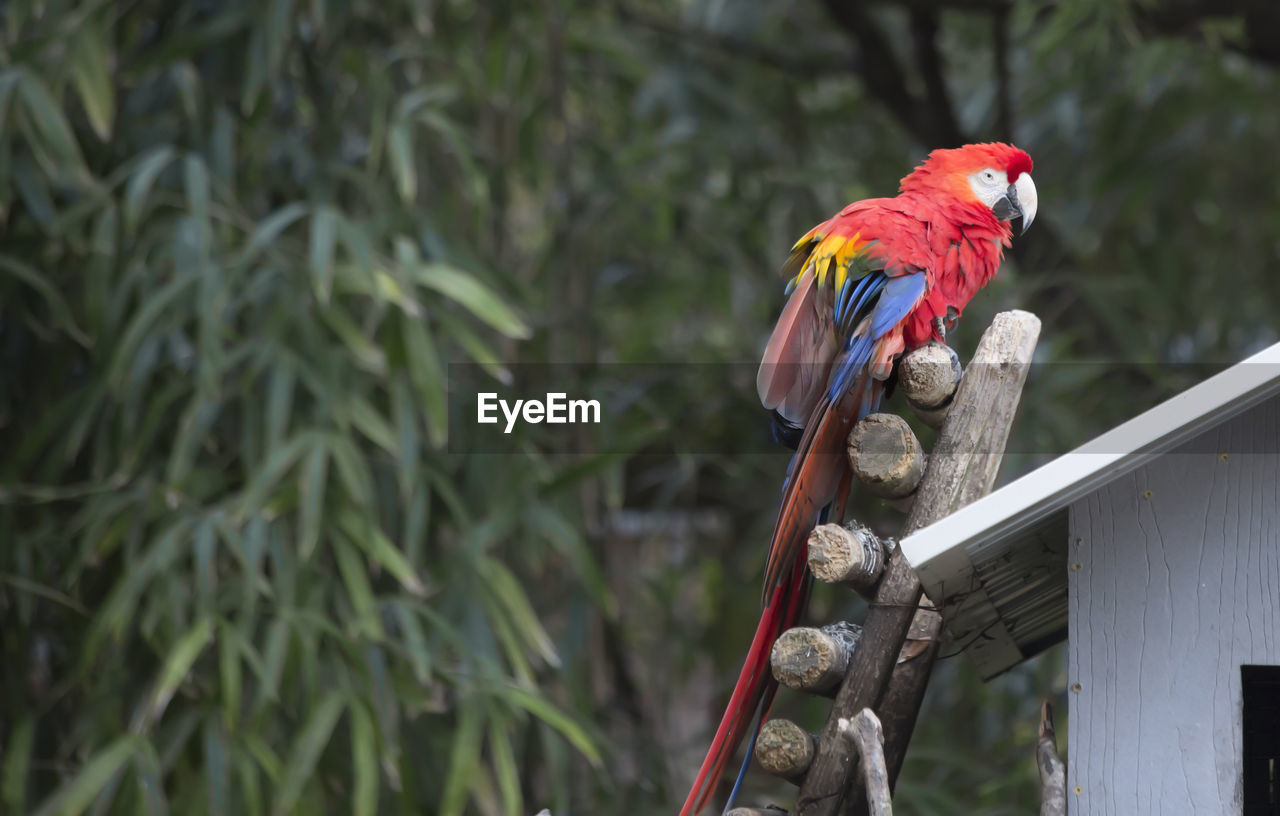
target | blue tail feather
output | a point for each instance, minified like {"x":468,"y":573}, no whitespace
{"x":823,"y":516}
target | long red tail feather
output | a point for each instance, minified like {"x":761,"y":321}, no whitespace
{"x":821,"y":476}
{"x":755,"y":682}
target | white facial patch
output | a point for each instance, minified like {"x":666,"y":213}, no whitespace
{"x":989,"y":185}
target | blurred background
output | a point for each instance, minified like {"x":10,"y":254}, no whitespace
{"x":247,"y":566}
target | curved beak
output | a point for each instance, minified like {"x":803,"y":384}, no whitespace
{"x":1019,"y":201}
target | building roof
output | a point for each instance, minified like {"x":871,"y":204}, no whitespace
{"x":997,"y":568}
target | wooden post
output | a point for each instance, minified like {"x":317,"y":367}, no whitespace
{"x":814,"y":660}
{"x":850,"y":554}
{"x":961,"y":468}
{"x":928,"y":378}
{"x":1053,"y":773}
{"x":784,"y":749}
{"x":973,"y":439}
{"x":886,"y":456}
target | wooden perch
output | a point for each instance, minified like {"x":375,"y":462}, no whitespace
{"x":784,"y":749}
{"x":928,"y":377}
{"x":764,"y":811}
{"x":961,"y":468}
{"x":865,"y":735}
{"x":814,"y":660}
{"x":969,"y":451}
{"x":886,"y":456}
{"x":1053,"y":773}
{"x":849,"y":554}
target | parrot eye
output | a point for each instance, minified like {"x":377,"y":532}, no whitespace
{"x":988,"y":176}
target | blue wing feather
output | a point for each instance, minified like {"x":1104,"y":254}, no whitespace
{"x":885,"y":301}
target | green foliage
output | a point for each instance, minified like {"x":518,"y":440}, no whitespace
{"x":247,"y":563}
{"x":248,"y":576}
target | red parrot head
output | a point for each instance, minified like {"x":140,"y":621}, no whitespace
{"x":994,"y":174}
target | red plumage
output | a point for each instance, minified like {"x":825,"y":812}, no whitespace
{"x":867,"y":284}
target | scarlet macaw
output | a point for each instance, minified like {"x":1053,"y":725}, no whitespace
{"x":883,"y":276}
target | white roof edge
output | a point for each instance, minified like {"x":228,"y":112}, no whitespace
{"x":1109,"y":456}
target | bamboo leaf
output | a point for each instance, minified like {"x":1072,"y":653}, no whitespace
{"x":78,"y":793}
{"x":400,"y":151}
{"x":121,"y":603}
{"x":306,"y":750}
{"x":312,"y":477}
{"x":35,"y":194}
{"x":505,"y":768}
{"x":175,"y":669}
{"x":251,"y":790}
{"x":17,"y":763}
{"x":359,"y":592}
{"x":364,"y":762}
{"x":204,"y":547}
{"x":137,"y":190}
{"x":366,"y":535}
{"x":229,"y":644}
{"x":464,"y":759}
{"x":9,"y":80}
{"x":371,"y":423}
{"x":279,"y":402}
{"x":279,"y":15}
{"x":266,"y":758}
{"x":274,"y":655}
{"x":476,"y":348}
{"x":415,"y":643}
{"x":506,"y":588}
{"x":561,"y":722}
{"x":269,"y":475}
{"x":271,"y":228}
{"x":53,"y":300}
{"x":195,"y":181}
{"x":91,"y":73}
{"x":217,"y":768}
{"x":427,"y":375}
{"x":323,"y":242}
{"x":352,"y":470}
{"x":469,"y":292}
{"x":146,"y":763}
{"x":143,"y":321}
{"x":366,"y":353}
{"x":51,"y":127}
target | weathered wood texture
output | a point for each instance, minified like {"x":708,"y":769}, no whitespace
{"x":1174,"y":584}
{"x":846,"y":554}
{"x":961,"y":468}
{"x":1053,"y":773}
{"x":784,"y":749}
{"x":814,"y":660}
{"x":866,"y":735}
{"x":927,"y":379}
{"x":886,"y":456}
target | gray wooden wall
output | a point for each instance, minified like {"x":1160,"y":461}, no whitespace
{"x":1174,"y":583}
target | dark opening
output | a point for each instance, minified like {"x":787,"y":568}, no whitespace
{"x":1261,"y":740}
